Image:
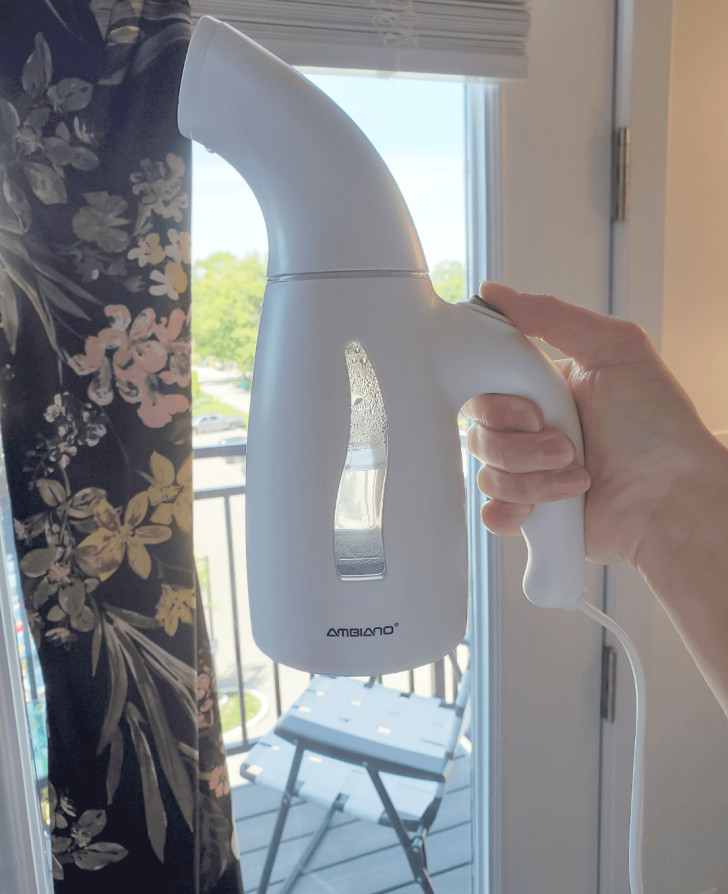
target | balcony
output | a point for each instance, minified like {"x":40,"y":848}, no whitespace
{"x":355,"y":857}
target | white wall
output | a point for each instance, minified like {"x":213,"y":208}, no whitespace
{"x":671,"y":278}
{"x":687,"y":793}
{"x":695,"y":317}
{"x":674,"y":255}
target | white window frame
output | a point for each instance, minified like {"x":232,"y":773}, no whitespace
{"x":484,"y":260}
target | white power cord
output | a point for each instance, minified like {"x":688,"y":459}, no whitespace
{"x":638,"y":767}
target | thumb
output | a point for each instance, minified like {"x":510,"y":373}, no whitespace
{"x":589,"y":337}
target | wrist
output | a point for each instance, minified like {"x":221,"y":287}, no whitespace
{"x":684,"y":559}
{"x":689,"y":525}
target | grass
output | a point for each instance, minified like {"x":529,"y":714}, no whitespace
{"x":230,"y":709}
{"x":204,"y":404}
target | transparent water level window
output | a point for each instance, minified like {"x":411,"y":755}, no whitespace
{"x":358,"y":543}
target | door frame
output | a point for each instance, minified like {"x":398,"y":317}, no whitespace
{"x":536,"y":712}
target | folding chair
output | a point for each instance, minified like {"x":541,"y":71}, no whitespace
{"x":366,"y":750}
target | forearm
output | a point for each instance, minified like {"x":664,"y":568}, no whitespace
{"x":684,"y":559}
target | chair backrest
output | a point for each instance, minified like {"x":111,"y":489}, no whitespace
{"x":460,"y":705}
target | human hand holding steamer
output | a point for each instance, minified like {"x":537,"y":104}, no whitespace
{"x":657,"y":479}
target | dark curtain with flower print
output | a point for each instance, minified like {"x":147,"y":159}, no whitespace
{"x":95,"y":376}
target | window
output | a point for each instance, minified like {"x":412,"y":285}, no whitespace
{"x":418,"y":125}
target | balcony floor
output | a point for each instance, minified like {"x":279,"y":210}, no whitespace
{"x":355,"y":857}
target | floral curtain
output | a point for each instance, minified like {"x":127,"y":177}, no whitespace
{"x":95,"y":391}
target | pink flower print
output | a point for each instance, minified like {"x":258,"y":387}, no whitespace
{"x":178,"y":349}
{"x":95,"y":360}
{"x":142,"y":349}
{"x":219,"y":781}
{"x":156,"y":410}
{"x":118,"y":315}
{"x":139,"y":363}
{"x":205,"y":702}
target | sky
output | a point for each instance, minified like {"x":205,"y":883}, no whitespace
{"x":417,"y":127}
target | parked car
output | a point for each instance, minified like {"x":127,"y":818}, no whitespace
{"x":216,"y":422}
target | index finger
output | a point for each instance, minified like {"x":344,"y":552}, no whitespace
{"x":591,"y":338}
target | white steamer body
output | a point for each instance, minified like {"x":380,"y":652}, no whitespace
{"x":426,"y":355}
{"x":346,"y":267}
{"x":302,"y":612}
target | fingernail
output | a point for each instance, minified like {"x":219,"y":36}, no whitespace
{"x":525,"y":420}
{"x":495,"y":288}
{"x":571,"y":481}
{"x":557,"y":449}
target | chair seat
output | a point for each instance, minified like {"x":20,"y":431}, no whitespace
{"x":344,"y":724}
{"x":344,"y":718}
{"x":322,"y":780}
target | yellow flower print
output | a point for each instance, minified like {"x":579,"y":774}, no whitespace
{"x":171,"y":497}
{"x":148,"y":251}
{"x":179,"y":246}
{"x":172,"y":281}
{"x":101,"y":553}
{"x":175,"y":605}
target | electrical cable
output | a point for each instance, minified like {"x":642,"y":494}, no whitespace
{"x":636,"y":819}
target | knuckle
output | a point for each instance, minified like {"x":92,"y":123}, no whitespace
{"x":529,"y":488}
{"x":507,"y":486}
{"x":633,"y":337}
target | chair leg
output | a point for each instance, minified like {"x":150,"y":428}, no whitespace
{"x":316,"y":840}
{"x":288,"y":795}
{"x":414,"y":847}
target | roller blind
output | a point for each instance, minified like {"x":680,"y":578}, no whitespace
{"x":475,"y":38}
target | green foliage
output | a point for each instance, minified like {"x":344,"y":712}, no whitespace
{"x":227,"y":298}
{"x":230,"y":709}
{"x":448,"y":279}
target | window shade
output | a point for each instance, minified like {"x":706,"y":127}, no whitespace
{"x":477,"y":38}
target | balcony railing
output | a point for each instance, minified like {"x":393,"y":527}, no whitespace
{"x":240,"y":666}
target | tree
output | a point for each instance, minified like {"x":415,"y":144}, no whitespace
{"x":448,"y":280}
{"x":227,"y":295}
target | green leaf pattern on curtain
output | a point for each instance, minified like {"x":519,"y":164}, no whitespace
{"x":95,"y":376}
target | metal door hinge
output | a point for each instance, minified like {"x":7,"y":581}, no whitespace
{"x":609,"y":683}
{"x":620,"y":174}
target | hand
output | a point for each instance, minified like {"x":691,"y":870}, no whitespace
{"x":642,"y":434}
{"x":657,"y":479}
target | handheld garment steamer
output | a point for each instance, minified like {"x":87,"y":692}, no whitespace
{"x":355,"y":511}
{"x":355,"y":514}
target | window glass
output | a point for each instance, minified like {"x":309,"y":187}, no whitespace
{"x":417,"y":125}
